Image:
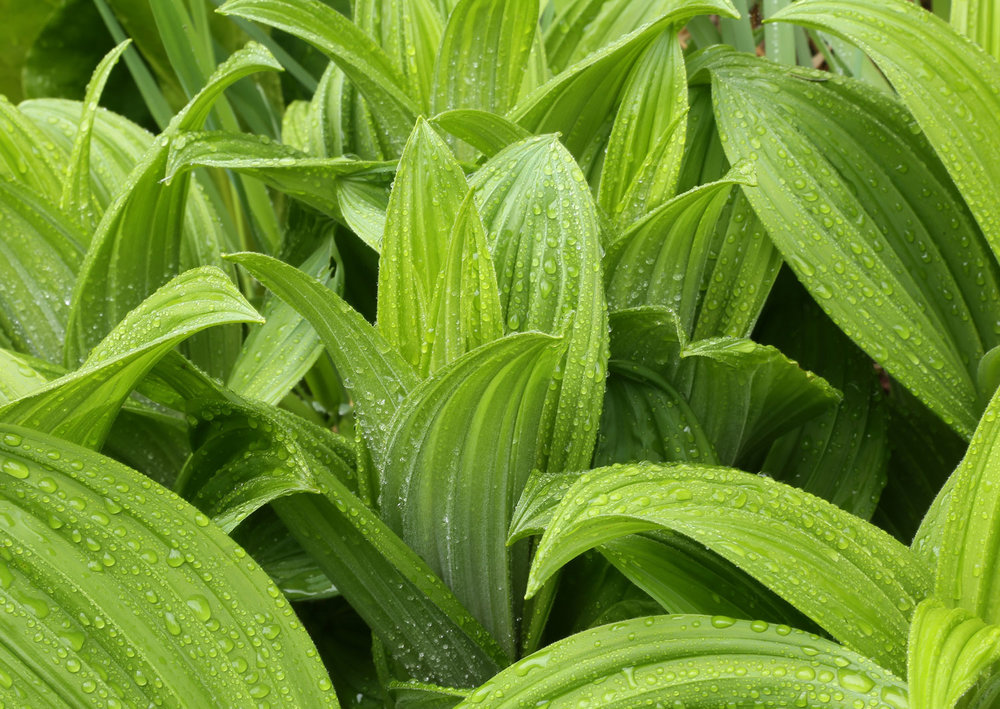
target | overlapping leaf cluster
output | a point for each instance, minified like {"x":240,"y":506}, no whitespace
{"x":532,"y":413}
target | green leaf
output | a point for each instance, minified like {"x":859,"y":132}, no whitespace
{"x":312,"y":181}
{"x":425,"y":200}
{"x":375,"y":375}
{"x":17,"y":377}
{"x":543,"y":229}
{"x":138,"y":244}
{"x":409,"y":31}
{"x":484,"y":54}
{"x":460,"y":450}
{"x":76,"y":195}
{"x":927,"y":61}
{"x":248,"y":454}
{"x":126,"y":602}
{"x":851,"y":578}
{"x":950,"y":649}
{"x":369,"y":68}
{"x":23,"y":155}
{"x":486,"y":132}
{"x":842,"y":183}
{"x":81,"y":406}
{"x":978,"y":21}
{"x":278,"y":354}
{"x":465,"y":312}
{"x":969,"y":541}
{"x":842,"y":454}
{"x":694,"y":661}
{"x":42,"y":249}
{"x":364,"y":206}
{"x":643,"y":159}
{"x":579,"y":102}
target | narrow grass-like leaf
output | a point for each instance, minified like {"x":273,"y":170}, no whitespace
{"x":843,"y":189}
{"x":42,"y":249}
{"x":376,"y":375}
{"x":851,"y":578}
{"x":459,"y":454}
{"x":137,"y":246}
{"x":465,"y":312}
{"x":119,"y":596}
{"x":483,"y":55}
{"x":643,"y":158}
{"x":951,"y":86}
{"x":486,"y":132}
{"x":950,"y":649}
{"x":543,"y":229}
{"x":693,"y":661}
{"x":369,"y":68}
{"x":425,"y":199}
{"x":81,"y":406}
{"x":76,"y":196}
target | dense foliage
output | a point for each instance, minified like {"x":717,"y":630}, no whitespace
{"x":500,"y":353}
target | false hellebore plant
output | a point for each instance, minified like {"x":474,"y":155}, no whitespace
{"x":557,"y":470}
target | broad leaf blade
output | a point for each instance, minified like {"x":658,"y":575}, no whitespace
{"x":112,"y":605}
{"x":853,"y":205}
{"x":486,"y":132}
{"x":668,"y":660}
{"x":483,"y":55}
{"x":926,"y":60}
{"x":81,"y":406}
{"x":851,"y":578}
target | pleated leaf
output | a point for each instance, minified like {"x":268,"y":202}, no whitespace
{"x":978,"y":20}
{"x":119,"y":593}
{"x":692,"y":661}
{"x":851,"y":578}
{"x":950,"y":649}
{"x":425,"y":200}
{"x":483,"y":55}
{"x":81,"y":406}
{"x":369,"y":68}
{"x":24,"y":155}
{"x":486,"y":132}
{"x":459,"y":454}
{"x":850,"y":196}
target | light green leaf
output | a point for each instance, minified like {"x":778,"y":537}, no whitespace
{"x":950,"y":649}
{"x":375,"y":375}
{"x":842,"y":189}
{"x":460,"y":450}
{"x":369,"y":68}
{"x":409,"y":32}
{"x":278,"y":354}
{"x":543,"y":229}
{"x":364,"y":206}
{"x":692,"y":661}
{"x":425,"y":199}
{"x":978,"y":20}
{"x":138,"y":244}
{"x":24,"y":156}
{"x":465,"y":312}
{"x":17,"y":377}
{"x":76,"y":195}
{"x":643,"y":159}
{"x":951,"y":86}
{"x":310,"y":180}
{"x":579,"y":102}
{"x":126,"y":617}
{"x":968,"y":566}
{"x":484,"y":54}
{"x":40,"y":254}
{"x":486,"y":132}
{"x":851,"y":578}
{"x":81,"y":406}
